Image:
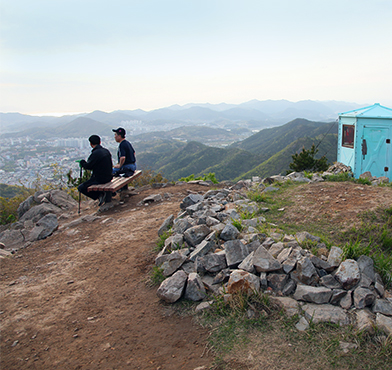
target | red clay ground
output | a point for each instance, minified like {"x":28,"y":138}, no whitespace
{"x":80,"y":299}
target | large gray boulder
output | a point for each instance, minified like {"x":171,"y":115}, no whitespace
{"x":236,"y":252}
{"x":166,"y":225}
{"x":172,"y":263}
{"x":326,"y":313}
{"x":190,"y":200}
{"x":25,"y":206}
{"x":264,"y":262}
{"x":247,"y":264}
{"x":305,"y":272}
{"x":37,"y":212}
{"x":382,"y":306}
{"x":171,"y":289}
{"x":62,"y":200}
{"x":366,"y":266}
{"x":181,"y":225}
{"x":229,"y":232}
{"x":243,"y":281}
{"x":335,"y":256}
{"x":312,"y":294}
{"x":365,"y":321}
{"x":363,"y":297}
{"x":348,"y":274}
{"x":195,"y":234}
{"x":44,"y":227}
{"x":384,"y":323}
{"x":204,"y":247}
{"x":277,"y":281}
{"x":195,"y":290}
{"x":12,"y":238}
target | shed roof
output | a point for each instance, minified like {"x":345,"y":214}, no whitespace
{"x":373,"y":111}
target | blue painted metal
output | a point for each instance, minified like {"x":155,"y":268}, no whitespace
{"x":371,"y":149}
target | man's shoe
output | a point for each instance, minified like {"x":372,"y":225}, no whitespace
{"x":101,"y":198}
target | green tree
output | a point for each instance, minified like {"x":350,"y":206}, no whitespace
{"x":305,"y":161}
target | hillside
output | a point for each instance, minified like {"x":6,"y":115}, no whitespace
{"x":280,"y":161}
{"x":81,"y":298}
{"x":263,"y":154}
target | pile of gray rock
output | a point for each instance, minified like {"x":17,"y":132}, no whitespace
{"x":37,"y":219}
{"x":338,"y":168}
{"x":207,"y":255}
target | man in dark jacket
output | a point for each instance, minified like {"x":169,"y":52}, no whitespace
{"x":100,"y":162}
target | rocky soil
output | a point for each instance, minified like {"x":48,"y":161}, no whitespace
{"x":80,"y":299}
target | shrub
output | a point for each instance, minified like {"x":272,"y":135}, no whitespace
{"x":305,"y":161}
{"x":206,"y":177}
{"x":9,"y":207}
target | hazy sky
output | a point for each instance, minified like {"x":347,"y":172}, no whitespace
{"x":83,"y":55}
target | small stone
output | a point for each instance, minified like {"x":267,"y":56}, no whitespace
{"x":302,"y":324}
{"x":347,"y":347}
{"x":203,"y":306}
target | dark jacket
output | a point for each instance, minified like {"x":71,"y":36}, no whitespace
{"x":100,"y":162}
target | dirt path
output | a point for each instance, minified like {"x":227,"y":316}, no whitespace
{"x":79,"y":299}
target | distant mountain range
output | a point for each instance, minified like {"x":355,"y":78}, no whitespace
{"x":175,"y":142}
{"x":253,"y":115}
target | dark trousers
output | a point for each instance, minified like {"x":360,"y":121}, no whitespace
{"x":91,"y":194}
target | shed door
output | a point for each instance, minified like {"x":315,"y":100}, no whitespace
{"x":374,"y":150}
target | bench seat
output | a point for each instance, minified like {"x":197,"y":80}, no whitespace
{"x":114,"y":185}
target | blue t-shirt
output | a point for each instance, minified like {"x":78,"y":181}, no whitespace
{"x":125,"y":149}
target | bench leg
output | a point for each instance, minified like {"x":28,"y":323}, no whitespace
{"x":108,"y":197}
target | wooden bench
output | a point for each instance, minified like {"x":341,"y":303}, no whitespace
{"x":116,"y":184}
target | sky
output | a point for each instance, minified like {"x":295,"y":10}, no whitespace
{"x":68,"y":56}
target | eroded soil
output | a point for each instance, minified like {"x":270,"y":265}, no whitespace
{"x":81,"y":299}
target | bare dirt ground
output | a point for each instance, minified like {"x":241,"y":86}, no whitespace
{"x":80,"y":299}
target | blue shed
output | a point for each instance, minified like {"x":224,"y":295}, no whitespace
{"x":364,"y":140}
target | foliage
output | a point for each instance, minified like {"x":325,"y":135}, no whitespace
{"x":279,"y":161}
{"x":9,"y":206}
{"x":340,"y":177}
{"x":257,"y":196}
{"x":231,"y":322}
{"x":373,"y":238}
{"x":76,"y":181}
{"x":237,"y":224}
{"x":206,"y":177}
{"x":10,"y":191}
{"x":157,"y":276}
{"x":161,"y":240}
{"x":305,"y":160}
{"x":346,"y":176}
{"x":148,"y":177}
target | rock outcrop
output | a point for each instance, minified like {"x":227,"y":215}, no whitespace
{"x":37,"y":218}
